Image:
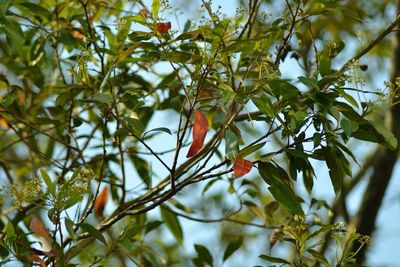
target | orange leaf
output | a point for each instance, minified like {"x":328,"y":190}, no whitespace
{"x":78,"y":35}
{"x":4,"y":123}
{"x":163,"y":27}
{"x":241,"y":167}
{"x":38,"y":228}
{"x":101,"y":201}
{"x":68,"y":25}
{"x":200,"y":129}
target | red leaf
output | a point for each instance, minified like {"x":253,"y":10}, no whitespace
{"x":101,"y":201}
{"x":200,"y":128}
{"x":38,"y":228}
{"x":163,"y":27}
{"x":241,"y":167}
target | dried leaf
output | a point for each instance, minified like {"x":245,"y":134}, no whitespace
{"x":101,"y":201}
{"x":163,"y":27}
{"x":274,"y":237}
{"x":241,"y":167}
{"x":200,"y":129}
{"x":144,"y":12}
{"x":21,"y":97}
{"x":38,"y":228}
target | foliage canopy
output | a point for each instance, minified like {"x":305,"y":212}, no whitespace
{"x":117,"y":125}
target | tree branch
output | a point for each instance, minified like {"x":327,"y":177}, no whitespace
{"x":367,"y":214}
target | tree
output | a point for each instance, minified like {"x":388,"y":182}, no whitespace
{"x":88,"y":178}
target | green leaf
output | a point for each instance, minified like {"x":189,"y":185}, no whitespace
{"x":49,"y":183}
{"x":180,"y":206}
{"x":281,"y":191}
{"x":346,"y":96}
{"x":167,"y":80}
{"x":267,"y":157}
{"x":221,"y":28}
{"x":103,"y":98}
{"x":317,"y":139}
{"x":150,"y":226}
{"x":135,"y":125}
{"x":179,"y":57}
{"x":155,"y":7}
{"x":296,"y":153}
{"x":254,"y":208}
{"x":325,"y":63}
{"x":68,"y":94}
{"x":159,"y":129}
{"x":264,"y":104}
{"x":198,"y":262}
{"x":319,"y":257}
{"x":390,"y":139}
{"x":241,"y":46}
{"x":69,"y":225}
{"x":231,"y":145}
{"x":4,"y":252}
{"x":72,"y":199}
{"x":14,"y":34}
{"x":273,"y":259}
{"x":375,"y":132}
{"x":345,"y":149}
{"x":36,"y":10}
{"x":324,"y":229}
{"x":4,"y":5}
{"x":136,"y":18}
{"x":348,"y":126}
{"x":3,"y":81}
{"x":308,"y":175}
{"x":337,"y":170}
{"x":93,"y":232}
{"x":105,"y":80}
{"x":188,"y":23}
{"x":137,"y":36}
{"x":143,"y":169}
{"x":232,"y":247}
{"x":284,"y":89}
{"x":133,"y":229}
{"x":10,"y":232}
{"x":287,"y":198}
{"x":172,"y":222}
{"x":193,"y":35}
{"x":204,"y":254}
{"x":348,"y":111}
{"x":309,"y":82}
{"x":250,"y":149}
{"x":208,"y":186}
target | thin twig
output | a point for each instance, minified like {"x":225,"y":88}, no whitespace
{"x":223,"y":219}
